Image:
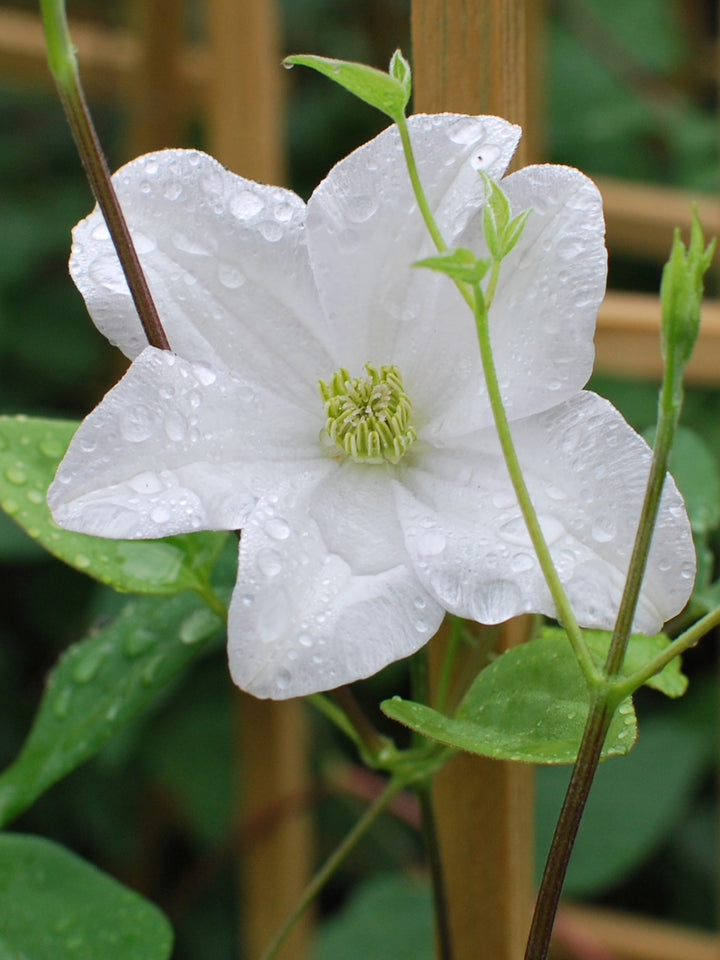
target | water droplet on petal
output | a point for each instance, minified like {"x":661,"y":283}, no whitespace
{"x":137,"y":423}
{"x":229,"y":276}
{"x":146,"y":482}
{"x":522,"y":562}
{"x":466,"y":130}
{"x":269,"y":562}
{"x":305,"y":640}
{"x":246,"y":205}
{"x":205,"y":375}
{"x":430,"y":543}
{"x":277,"y":528}
{"x":283,"y":679}
{"x":603,"y":529}
{"x":175,"y":426}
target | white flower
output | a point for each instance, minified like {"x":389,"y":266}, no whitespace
{"x":345,"y":564}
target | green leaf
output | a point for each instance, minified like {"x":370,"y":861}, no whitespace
{"x":55,"y":906}
{"x":388,"y":917}
{"x":388,"y":93}
{"x":529,"y":704}
{"x":99,"y":685}
{"x":460,"y":264}
{"x":641,"y":650}
{"x":513,"y":232}
{"x":30,"y":451}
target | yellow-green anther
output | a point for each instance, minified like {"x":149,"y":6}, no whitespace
{"x":368,"y":417}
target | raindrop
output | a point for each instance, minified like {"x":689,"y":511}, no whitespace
{"x":361,"y":208}
{"x":522,"y":562}
{"x":687,"y":571}
{"x":172,"y":190}
{"x":430,"y":543}
{"x":175,"y":426}
{"x":230,"y":277}
{"x":160,"y":514}
{"x":199,"y":625}
{"x":277,"y":528}
{"x":138,"y":642}
{"x":146,"y":482}
{"x":51,"y":448}
{"x":466,"y":130}
{"x":305,"y":640}
{"x":88,"y":664}
{"x":205,"y":375}
{"x":271,"y":230}
{"x":81,"y":561}
{"x":283,"y":679}
{"x":191,"y":245}
{"x":15,"y":474}
{"x":61,"y":704}
{"x":246,"y":205}
{"x":603,"y":529}
{"x":150,"y":670}
{"x":269,"y":562}
{"x":137,"y":423}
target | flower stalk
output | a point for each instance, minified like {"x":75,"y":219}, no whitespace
{"x":63,"y":66}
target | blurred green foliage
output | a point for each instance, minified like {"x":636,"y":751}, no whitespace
{"x":630,"y":92}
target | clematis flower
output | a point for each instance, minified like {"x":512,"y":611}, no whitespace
{"x":327,"y":398}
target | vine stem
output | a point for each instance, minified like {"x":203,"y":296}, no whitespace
{"x":393,"y":787}
{"x":63,"y":66}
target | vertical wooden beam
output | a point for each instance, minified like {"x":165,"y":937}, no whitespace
{"x":155,"y":106}
{"x":244,"y":115}
{"x":479,"y":56}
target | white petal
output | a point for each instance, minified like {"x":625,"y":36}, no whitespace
{"x":175,"y":447}
{"x":586,"y":471}
{"x":301,"y":618}
{"x":365,"y":230}
{"x":227,"y":266}
{"x":543,"y":315}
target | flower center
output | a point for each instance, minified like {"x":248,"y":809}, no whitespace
{"x":368,"y":417}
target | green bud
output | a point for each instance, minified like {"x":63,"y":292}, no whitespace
{"x":500,"y":232}
{"x":681,"y":292}
{"x":388,"y":92}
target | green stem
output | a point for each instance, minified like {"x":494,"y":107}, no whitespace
{"x":668,"y":414}
{"x":628,"y":685}
{"x":581,"y":779}
{"x":63,"y":66}
{"x":393,"y":787}
{"x":417,"y":186}
{"x":589,"y":668}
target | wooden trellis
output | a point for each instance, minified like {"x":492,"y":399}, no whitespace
{"x":230,"y":79}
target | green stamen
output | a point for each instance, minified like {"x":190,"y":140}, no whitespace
{"x":368,"y":418}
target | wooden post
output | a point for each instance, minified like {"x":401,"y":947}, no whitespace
{"x":156,"y":107}
{"x":244,"y":124}
{"x":474,"y":56}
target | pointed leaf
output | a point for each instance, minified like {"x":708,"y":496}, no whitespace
{"x":513,"y":232}
{"x":381,"y":90}
{"x":55,"y":906}
{"x":460,"y":264}
{"x":30,"y":451}
{"x":530,"y":704}
{"x":99,"y":685}
{"x":641,"y":650}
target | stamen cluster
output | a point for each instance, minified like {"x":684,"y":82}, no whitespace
{"x":369,"y":418}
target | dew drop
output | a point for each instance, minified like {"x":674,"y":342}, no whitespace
{"x":137,"y":423}
{"x":160,"y":514}
{"x":229,"y":276}
{"x":430,"y":543}
{"x":199,"y":625}
{"x":277,"y":528}
{"x":150,"y":670}
{"x":61,"y":703}
{"x":205,"y":375}
{"x":269,"y":562}
{"x":138,"y":642}
{"x":88,"y":664}
{"x":271,"y":230}
{"x":522,"y":562}
{"x":175,"y":426}
{"x":15,"y":474}
{"x":246,"y":205}
{"x":51,"y":448}
{"x":361,"y":208}
{"x":466,"y":130}
{"x":146,"y":482}
{"x":305,"y":640}
{"x":283,"y":679}
{"x":603,"y":529}
{"x":82,"y":561}
{"x":172,"y":190}
{"x":191,"y":245}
